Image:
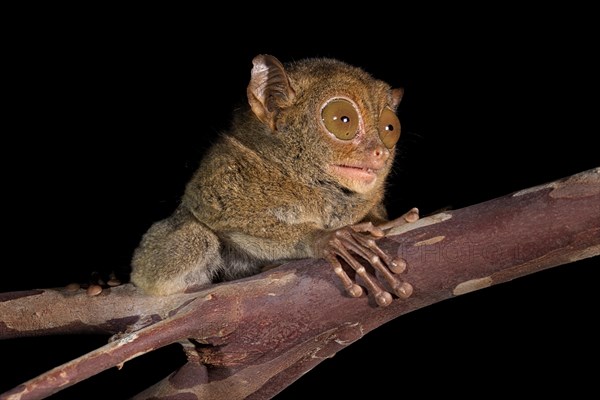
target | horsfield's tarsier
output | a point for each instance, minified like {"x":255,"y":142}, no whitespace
{"x":300,"y":173}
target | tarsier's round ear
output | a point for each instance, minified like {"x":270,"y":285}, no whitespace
{"x":397,"y":97}
{"x":269,"y":90}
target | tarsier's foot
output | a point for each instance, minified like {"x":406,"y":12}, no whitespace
{"x":361,"y":239}
{"x":96,"y":284}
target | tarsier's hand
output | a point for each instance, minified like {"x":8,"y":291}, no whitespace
{"x":360,"y":239}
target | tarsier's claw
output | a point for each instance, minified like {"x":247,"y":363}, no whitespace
{"x":404,"y":290}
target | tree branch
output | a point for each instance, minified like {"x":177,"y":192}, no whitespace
{"x":255,"y":336}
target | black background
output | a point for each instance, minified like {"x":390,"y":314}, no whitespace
{"x":107,"y":119}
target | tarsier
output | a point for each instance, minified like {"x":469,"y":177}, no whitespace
{"x":300,"y":173}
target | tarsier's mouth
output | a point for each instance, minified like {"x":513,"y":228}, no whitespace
{"x":373,"y":170}
{"x":364,"y":174}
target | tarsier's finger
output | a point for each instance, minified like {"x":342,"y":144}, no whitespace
{"x":352,"y":288}
{"x":382,"y":297}
{"x":368,"y":227}
{"x":401,"y":289}
{"x":384,"y":265}
{"x":352,"y":241}
{"x":411,"y":216}
{"x":396,"y":264}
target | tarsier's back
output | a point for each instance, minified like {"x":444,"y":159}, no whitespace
{"x":300,"y":173}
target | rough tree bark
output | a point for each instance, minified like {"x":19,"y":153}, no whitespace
{"x":253,"y":337}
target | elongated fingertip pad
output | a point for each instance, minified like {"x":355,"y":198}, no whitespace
{"x":398,"y":265}
{"x":354,"y":290}
{"x":383,"y":299}
{"x":412,"y":215}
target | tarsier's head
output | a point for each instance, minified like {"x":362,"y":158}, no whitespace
{"x":337,"y":116}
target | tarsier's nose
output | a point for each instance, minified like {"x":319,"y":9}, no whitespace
{"x":378,"y":155}
{"x":381,"y":152}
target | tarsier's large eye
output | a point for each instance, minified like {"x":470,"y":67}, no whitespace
{"x":389,"y":128}
{"x":340,"y":118}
